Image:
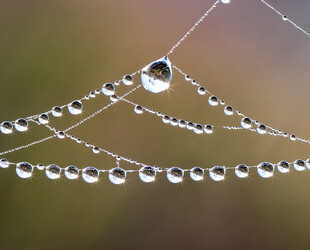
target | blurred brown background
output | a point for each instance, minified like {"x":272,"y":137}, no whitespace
{"x":53,"y":52}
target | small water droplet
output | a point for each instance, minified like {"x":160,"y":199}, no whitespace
{"x":261,"y":129}
{"x":117,"y":176}
{"x":217,"y":173}
{"x":242,"y":171}
{"x":53,"y":171}
{"x":24,"y":170}
{"x":197,"y":174}
{"x":283,"y":167}
{"x":75,"y":107}
{"x":175,"y":175}
{"x":300,"y":165}
{"x":57,"y":111}
{"x":96,"y":150}
{"x":284,"y":18}
{"x":6,"y":127}
{"x":72,"y":172}
{"x":225,"y":1}
{"x":246,"y":123}
{"x":90,"y":175}
{"x":292,"y":137}
{"x":201,"y":91}
{"x":198,"y":129}
{"x":21,"y":125}
{"x":61,"y":135}
{"x":138,"y":109}
{"x":4,"y":163}
{"x":228,"y":110}
{"x":208,"y":129}
{"x":128,"y":80}
{"x":40,"y":166}
{"x":182,"y":123}
{"x":147,"y":174}
{"x":166,"y":119}
{"x":156,"y":76}
{"x":174,"y":122}
{"x":213,"y":100}
{"x":43,"y":119}
{"x":265,"y":169}
{"x":108,"y":89}
{"x":187,"y":78}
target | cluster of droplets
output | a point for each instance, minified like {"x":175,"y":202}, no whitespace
{"x":148,"y":174}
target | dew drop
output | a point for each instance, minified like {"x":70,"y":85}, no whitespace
{"x":6,"y":127}
{"x":96,"y":150}
{"x":201,"y":91}
{"x":24,"y":170}
{"x":265,"y":169}
{"x":147,"y":174}
{"x":117,"y":176}
{"x":75,"y":107}
{"x":208,"y":129}
{"x":308,"y":163}
{"x":57,"y":111}
{"x":261,"y":129}
{"x":213,"y":100}
{"x":40,"y":166}
{"x":225,"y":1}
{"x":114,"y":98}
{"x":21,"y":125}
{"x":300,"y":165}
{"x":175,"y":175}
{"x":187,"y":78}
{"x":197,"y":174}
{"x":61,"y":135}
{"x":174,"y":122}
{"x":156,"y":77}
{"x":53,"y":171}
{"x":228,"y":110}
{"x":128,"y":80}
{"x":246,"y":123}
{"x":90,"y":175}
{"x":138,"y":109}
{"x":283,"y":167}
{"x":284,"y":18}
{"x":166,"y":119}
{"x":242,"y":171}
{"x":217,"y":173}
{"x":292,"y":137}
{"x":182,"y":123}
{"x":190,"y":126}
{"x":4,"y":163}
{"x":198,"y":129}
{"x":108,"y":89}
{"x":72,"y":172}
{"x":43,"y":119}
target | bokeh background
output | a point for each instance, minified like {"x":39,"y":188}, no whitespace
{"x":53,"y":52}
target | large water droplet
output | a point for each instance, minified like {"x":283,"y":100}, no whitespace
{"x":21,"y":125}
{"x":265,"y":169}
{"x":197,"y":174}
{"x":217,"y":173}
{"x":175,"y":175}
{"x":6,"y":128}
{"x":53,"y":171}
{"x":117,"y":176}
{"x":24,"y":170}
{"x":156,"y":77}
{"x":90,"y":174}
{"x":242,"y":171}
{"x":147,"y":174}
{"x":283,"y":167}
{"x":75,"y":107}
{"x":300,"y":165}
{"x":72,"y":172}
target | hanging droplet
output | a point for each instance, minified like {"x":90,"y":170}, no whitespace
{"x":57,"y":111}
{"x":213,"y":100}
{"x":182,"y":123}
{"x":75,"y":107}
{"x":190,"y":126}
{"x":128,"y":80}
{"x":6,"y":128}
{"x":197,"y":174}
{"x":40,"y":166}
{"x":147,"y":174}
{"x":300,"y":165}
{"x":92,"y":94}
{"x":96,"y":150}
{"x":225,"y":1}
{"x":166,"y":119}
{"x":293,"y":137}
{"x":198,"y":129}
{"x":242,"y":171}
{"x":72,"y":172}
{"x":108,"y":89}
{"x":265,"y":169}
{"x":117,"y":176}
{"x":217,"y":173}
{"x":261,"y":129}
{"x":24,"y":170}
{"x":156,"y":77}
{"x":114,"y":98}
{"x":174,"y":122}
{"x":43,"y":119}
{"x":201,"y":91}
{"x":138,"y":109}
{"x":90,"y":175}
{"x":187,"y":78}
{"x":228,"y":110}
{"x":4,"y":163}
{"x":208,"y":129}
{"x":284,"y":18}
{"x":175,"y":175}
{"x":283,"y":167}
{"x":53,"y":171}
{"x":21,"y":125}
{"x":246,"y":123}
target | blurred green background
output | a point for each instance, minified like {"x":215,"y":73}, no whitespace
{"x":53,"y":52}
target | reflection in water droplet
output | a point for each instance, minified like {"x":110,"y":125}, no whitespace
{"x":117,"y":176}
{"x":24,"y":170}
{"x":196,"y":174}
{"x":265,"y":169}
{"x":156,"y":77}
{"x":175,"y":175}
{"x":217,"y":173}
{"x":147,"y":174}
